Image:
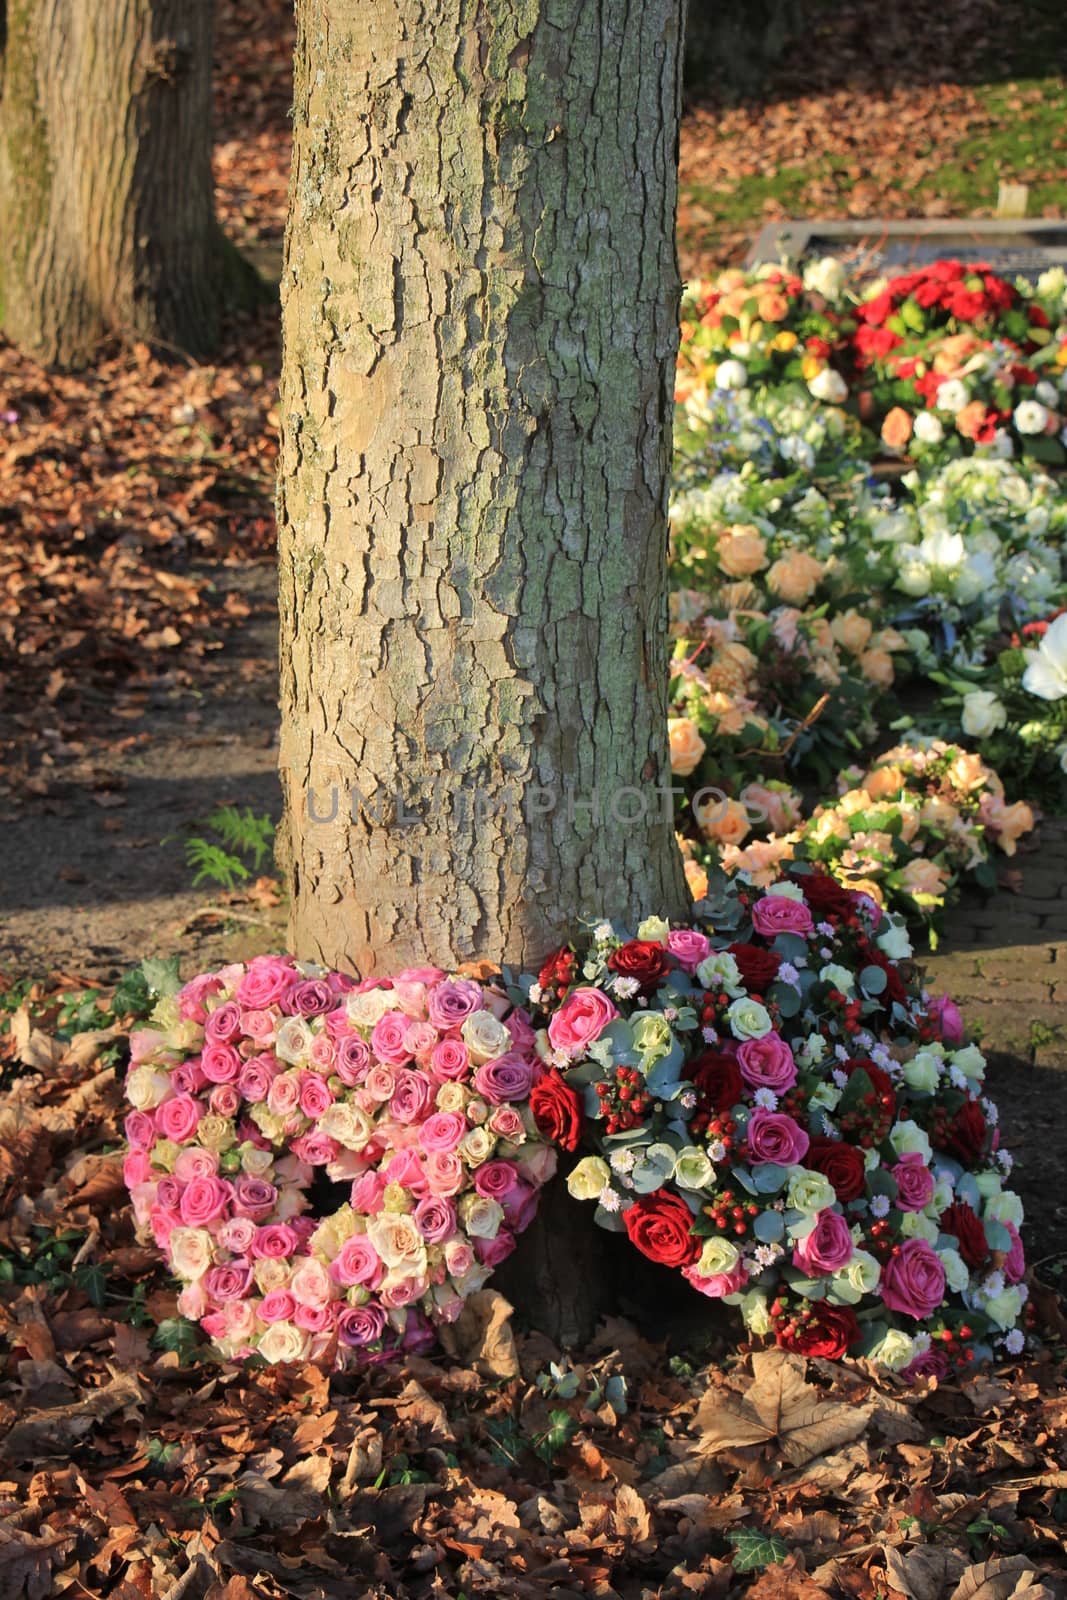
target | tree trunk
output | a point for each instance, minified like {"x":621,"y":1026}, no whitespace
{"x":480,"y":305}
{"x":106,"y":199}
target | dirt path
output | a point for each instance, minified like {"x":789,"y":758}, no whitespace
{"x":93,"y":874}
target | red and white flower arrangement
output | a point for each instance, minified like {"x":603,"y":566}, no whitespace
{"x":413,"y":1091}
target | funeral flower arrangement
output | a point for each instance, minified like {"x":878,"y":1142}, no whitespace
{"x":779,"y":1113}
{"x":411,"y":1092}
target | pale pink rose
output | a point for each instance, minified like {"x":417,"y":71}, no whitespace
{"x":236,"y":1234}
{"x":538,"y":1163}
{"x":410,"y":996}
{"x":223,"y":1025}
{"x":137,"y":1168}
{"x":191,"y":999}
{"x":444,"y":1172}
{"x":387,"y":1041}
{"x":580,"y":1020}
{"x":239,"y":1319}
{"x":776,"y":913}
{"x":688,"y":947}
{"x":225,"y":1100}
{"x":323,"y":1053}
{"x":317,"y":1149}
{"x":220,"y":1063}
{"x":283,"y":1097}
{"x":412,"y":1097}
{"x":402,"y":1291}
{"x":192,"y":1162}
{"x":367,"y":1193}
{"x":310,"y":1284}
{"x":450,"y":1060}
{"x":140,"y":1130}
{"x":419,"y":1039}
{"x":177,"y":1118}
{"x":435,"y":1218}
{"x":459,"y":1257}
{"x":380,"y":1081}
{"x":315,"y":1095}
{"x":255,"y":1078}
{"x":193,"y":1301}
{"x":443,"y":1130}
{"x":144,"y":1042}
{"x":203,"y":1201}
{"x":265,"y":981}
{"x":827,"y":1248}
{"x":914,"y":1181}
{"x":913,"y":1280}
{"x":259,"y":1025}
{"x":357,"y":1261}
{"x":452,"y":1001}
{"x":507,"y":1124}
{"x":278,"y":1306}
{"x":405,"y":1168}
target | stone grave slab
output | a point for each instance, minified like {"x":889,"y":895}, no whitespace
{"x":872,"y":246}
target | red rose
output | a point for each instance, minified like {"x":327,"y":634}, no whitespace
{"x":758,"y":968}
{"x":965,"y":1227}
{"x":642,"y":959}
{"x":840,"y":1162}
{"x":559,"y":970}
{"x":828,"y":1332}
{"x":659,"y":1226}
{"x":824,"y":895}
{"x":557,"y":1110}
{"x":717,"y":1080}
{"x":966,"y":1136}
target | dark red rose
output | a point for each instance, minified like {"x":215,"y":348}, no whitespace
{"x":717,"y":1080}
{"x":840,"y":1162}
{"x":557,"y":1110}
{"x":966,"y":1136}
{"x":642,"y":959}
{"x":659,"y":1224}
{"x":829,"y":1332}
{"x":965,"y":1227}
{"x":559,"y":970}
{"x":758,"y":968}
{"x":825,"y":896}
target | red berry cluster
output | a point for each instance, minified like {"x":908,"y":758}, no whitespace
{"x":955,"y":1341}
{"x":880,"y":1240}
{"x":624,"y":1100}
{"x":851,"y":1010}
{"x":868,"y":1123}
{"x":714,"y":1125}
{"x":731,"y":1214}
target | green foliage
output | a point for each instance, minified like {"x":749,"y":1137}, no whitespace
{"x":245,"y":831}
{"x":181,"y":1337}
{"x":241,"y":838}
{"x":754,"y":1550}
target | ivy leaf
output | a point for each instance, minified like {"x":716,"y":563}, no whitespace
{"x":178,"y":1335}
{"x":754,"y":1550}
{"x":161,"y":976}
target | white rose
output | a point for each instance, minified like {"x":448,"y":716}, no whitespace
{"x":1047,"y":393}
{"x":146,"y":1088}
{"x":826,"y":1095}
{"x":270,"y":1273}
{"x":895,"y":1351}
{"x":748,"y":1019}
{"x":917,"y":1225}
{"x":957,"y":1273}
{"x":589,"y":1178}
{"x":347,"y":1124}
{"x":809,"y":1191}
{"x":754,"y":1311}
{"x":922,"y":1073}
{"x":476,"y":1146}
{"x":943,"y":1195}
{"x":825,"y":276}
{"x":988,"y":1184}
{"x":862,"y":1273}
{"x":654,"y":929}
{"x":190,"y":1252}
{"x":693,"y":1169}
{"x":828,"y":385}
{"x":1030,"y":417}
{"x":719,"y":970}
{"x":787,"y":891}
{"x":370,"y":1007}
{"x":970,"y":1061}
{"x":928,"y":429}
{"x":396,"y":1239}
{"x":982,"y":713}
{"x":730,"y":375}
{"x":1004,"y":1308}
{"x":717,"y":1256}
{"x":485,"y":1037}
{"x":283,"y":1342}
{"x":838,"y":977}
{"x":1006,"y":1207}
{"x":293,"y":1040}
{"x":481,"y":1216}
{"x":908,"y":1138}
{"x":951,"y":396}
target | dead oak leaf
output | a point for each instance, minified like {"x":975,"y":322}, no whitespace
{"x":925,"y":1572}
{"x":482,"y":1337}
{"x":1001,"y":1579}
{"x":779,"y":1406}
{"x":632,"y":1520}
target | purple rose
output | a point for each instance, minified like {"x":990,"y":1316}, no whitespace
{"x":914,"y":1181}
{"x":520,"y":1206}
{"x":509,"y":1077}
{"x":452,"y":1002}
{"x":767,"y":1063}
{"x":360,"y":1325}
{"x":827,"y":1248}
{"x":308,"y":997}
{"x":229,"y":1282}
{"x":776,"y":913}
{"x":254,"y":1197}
{"x":913,"y":1280}
{"x":224,"y":1024}
{"x":933,"y":1363}
{"x":412,"y":1097}
{"x":772,"y":1136}
{"x":353,"y":1060}
{"x":435,"y":1218}
{"x":491,"y":1252}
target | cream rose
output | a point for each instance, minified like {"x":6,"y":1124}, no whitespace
{"x":283,"y":1342}
{"x":589,"y":1178}
{"x":687,"y":746}
{"x":191,"y":1251}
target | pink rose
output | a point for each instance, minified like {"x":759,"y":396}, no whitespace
{"x":224,"y":1024}
{"x":191,"y":999}
{"x":316,"y":1096}
{"x":913,"y":1280}
{"x":914,"y":1181}
{"x":424,"y":975}
{"x":776,"y":913}
{"x":225,"y":1100}
{"x":451,"y":1002}
{"x":317,"y":1149}
{"x":188,"y":1078}
{"x":367,"y":1193}
{"x":827,"y":1248}
{"x":688,"y":947}
{"x":443,"y":1130}
{"x":137,"y":1168}
{"x":435,"y":1218}
{"x":380,"y":1081}
{"x":283,"y":1096}
{"x":353,"y":1059}
{"x":228,"y":1282}
{"x":278,"y":1306}
{"x":1015,"y":1260}
{"x":412,"y":1097}
{"x":265,"y":981}
{"x":582,"y":1018}
{"x":169,"y":1193}
{"x":220,"y":1063}
{"x":323,"y":1053}
{"x":258,"y":1025}
{"x":946,"y":1013}
{"x":767,"y":1063}
{"x":520,"y":1205}
{"x":497,"y":1180}
{"x":444,"y":1172}
{"x":405,"y":1168}
{"x":204,"y":1201}
{"x":255,"y":1078}
{"x":491,"y":1252}
{"x":388,"y":1041}
{"x":163,"y":1222}
{"x":313,"y":1319}
{"x":140,"y":1130}
{"x":450,"y":1060}
{"x":773,"y":1136}
{"x":509,"y":1077}
{"x":274,"y":1242}
{"x":177,"y":1119}
{"x":517,"y":1023}
{"x":719,"y":1283}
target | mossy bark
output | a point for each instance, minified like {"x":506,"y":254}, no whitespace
{"x":106,"y":197}
{"x":480,"y":303}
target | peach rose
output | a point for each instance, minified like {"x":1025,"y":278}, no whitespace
{"x":852,"y":631}
{"x":883,"y":781}
{"x":967,"y":772}
{"x":742,"y":596}
{"x":794,"y":576}
{"x":1007,"y":823}
{"x":687,"y":746}
{"x":970,"y":420}
{"x":921,"y":877}
{"x":773,"y":307}
{"x":937,"y":812}
{"x":877,"y":667}
{"x":725,"y":821}
{"x":730,"y":714}
{"x":696,"y":878}
{"x":896,"y":429}
{"x":761,"y":859}
{"x":741,"y":551}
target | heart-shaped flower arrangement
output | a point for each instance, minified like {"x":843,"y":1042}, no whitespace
{"x":782,"y":1115}
{"x":413,"y":1092}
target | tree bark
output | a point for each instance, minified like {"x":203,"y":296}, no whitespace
{"x":480,"y":304}
{"x":106,"y":198}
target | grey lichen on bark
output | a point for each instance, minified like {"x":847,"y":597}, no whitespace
{"x":480,"y":304}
